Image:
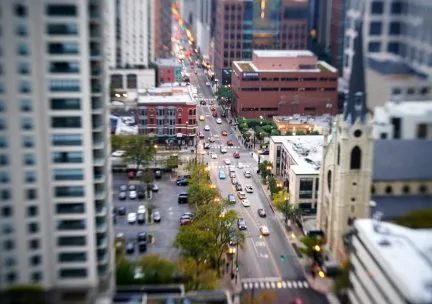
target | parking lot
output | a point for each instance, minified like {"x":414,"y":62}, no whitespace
{"x":165,"y":201}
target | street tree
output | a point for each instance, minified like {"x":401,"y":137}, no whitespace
{"x":342,"y":282}
{"x":124,"y":273}
{"x":24,"y":294}
{"x":118,"y":142}
{"x":172,"y":162}
{"x":312,"y":246}
{"x":157,"y":270}
{"x":197,"y":275}
{"x":265,"y":169}
{"x":267,"y":296}
{"x":224,"y":93}
{"x":139,"y":149}
{"x":193,"y":242}
{"x":281,"y":202}
{"x":201,"y":192}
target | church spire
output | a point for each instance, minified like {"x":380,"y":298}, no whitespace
{"x":355,"y":103}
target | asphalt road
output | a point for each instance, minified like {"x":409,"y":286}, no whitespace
{"x":166,"y":202}
{"x":260,"y":264}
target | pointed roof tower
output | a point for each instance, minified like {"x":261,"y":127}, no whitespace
{"x":355,"y":103}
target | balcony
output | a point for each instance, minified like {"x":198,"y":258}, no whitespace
{"x":96,"y":89}
{"x":101,"y":226}
{"x":101,"y":210}
{"x":98,"y":144}
{"x":98,"y":125}
{"x":101,"y":242}
{"x":99,"y":195}
{"x":103,"y":270}
{"x":98,"y":161}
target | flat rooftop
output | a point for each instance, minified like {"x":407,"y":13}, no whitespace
{"x":390,"y":65}
{"x":306,"y":151}
{"x":324,"y":121}
{"x":405,"y":254}
{"x":249,"y":66}
{"x":166,"y":100}
{"x":404,"y":108}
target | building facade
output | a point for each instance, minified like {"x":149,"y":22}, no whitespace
{"x":169,"y":70}
{"x":201,"y":27}
{"x":396,"y":27}
{"x":55,"y":185}
{"x":162,"y":28}
{"x":297,"y":160}
{"x":132,"y":79}
{"x":379,"y":250}
{"x":244,"y":26}
{"x":170,"y":118}
{"x":404,"y":120}
{"x":283,"y":83}
{"x":337,"y":32}
{"x":293,"y":125}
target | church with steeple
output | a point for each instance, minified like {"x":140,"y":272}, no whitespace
{"x":347,"y":164}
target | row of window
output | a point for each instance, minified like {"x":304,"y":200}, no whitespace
{"x":316,"y":89}
{"x":72,"y":85}
{"x":406,"y":189}
{"x":375,"y":28}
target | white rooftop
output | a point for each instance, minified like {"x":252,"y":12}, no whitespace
{"x":406,"y":256}
{"x":402,"y":109}
{"x":323,"y":121}
{"x":306,"y":151}
{"x":166,"y":100}
{"x":283,"y":53}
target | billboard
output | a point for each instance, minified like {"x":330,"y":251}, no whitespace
{"x":250,"y":75}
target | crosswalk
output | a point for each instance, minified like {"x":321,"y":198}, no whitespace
{"x":245,"y":166}
{"x":228,"y":147}
{"x":248,"y":284}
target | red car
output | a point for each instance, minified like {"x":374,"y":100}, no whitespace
{"x":214,"y":114}
{"x":213,"y":108}
{"x":236,"y":154}
{"x":224,"y":133}
{"x":185,"y":219}
{"x":131,"y":175}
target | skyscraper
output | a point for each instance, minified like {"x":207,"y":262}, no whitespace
{"x":243,"y":26}
{"x":55,"y":177}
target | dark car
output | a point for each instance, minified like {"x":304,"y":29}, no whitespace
{"x":121,"y":210}
{"x":241,"y":223}
{"x":141,"y":195}
{"x":206,"y":145}
{"x":130,"y":247}
{"x":141,"y":218}
{"x":238,"y":187}
{"x":142,"y":239}
{"x":203,"y":102}
{"x":158,"y":174}
{"x":183,"y":182}
{"x":183,"y":198}
{"x":261,"y":212}
{"x":229,"y":143}
{"x":122,"y":196}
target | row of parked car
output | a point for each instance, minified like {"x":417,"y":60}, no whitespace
{"x":133,"y":192}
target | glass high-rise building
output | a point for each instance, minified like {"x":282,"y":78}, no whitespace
{"x":245,"y":25}
{"x":55,"y":194}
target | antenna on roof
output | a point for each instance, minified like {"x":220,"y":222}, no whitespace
{"x":377,"y":220}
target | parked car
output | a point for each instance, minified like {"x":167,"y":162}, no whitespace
{"x":121,"y":210}
{"x":156,"y":216}
{"x":141,"y":209}
{"x":262,"y":213}
{"x":239,"y":187}
{"x":122,"y":196}
{"x":131,"y":218}
{"x":247,"y":174}
{"x":141,"y":195}
{"x":201,"y":135}
{"x":183,"y":198}
{"x":234,"y":181}
{"x":158,"y":174}
{"x":142,"y":239}
{"x":185,"y":219}
{"x":130,"y":247}
{"x":236,"y":154}
{"x":245,"y":203}
{"x":249,"y":189}
{"x":132,"y":188}
{"x":182,"y":182}
{"x":241,"y":195}
{"x":140,"y":218}
{"x":131,"y":174}
{"x":155,"y":188}
{"x":233,"y":175}
{"x":264,"y":230}
{"x":123,"y":188}
{"x":132,"y":195}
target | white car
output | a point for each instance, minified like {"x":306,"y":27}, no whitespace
{"x":247,"y":174}
{"x":227,"y":161}
{"x":118,"y":153}
{"x":218,"y":121}
{"x":240,"y":165}
{"x":214,"y":156}
{"x":207,"y":128}
{"x":264,"y":230}
{"x":141,"y":209}
{"x":131,"y":218}
{"x":245,"y":203}
{"x":249,"y":189}
{"x":223,"y":150}
{"x":132,"y":194}
{"x":241,"y":195}
{"x":208,"y":83}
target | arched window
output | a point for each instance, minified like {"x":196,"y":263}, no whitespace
{"x":338,"y":154}
{"x":329,"y":181}
{"x":190,"y":112}
{"x":389,"y":190}
{"x":406,"y":189}
{"x":355,"y":158}
{"x":373,"y":190}
{"x":423,"y":189}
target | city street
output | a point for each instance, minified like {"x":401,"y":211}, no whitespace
{"x":165,"y":200}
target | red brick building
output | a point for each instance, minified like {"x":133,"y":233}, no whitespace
{"x":169,"y":117}
{"x":168,"y":71}
{"x":283,"y":83}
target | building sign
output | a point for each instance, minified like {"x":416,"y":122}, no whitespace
{"x":250,"y":75}
{"x":178,"y":74}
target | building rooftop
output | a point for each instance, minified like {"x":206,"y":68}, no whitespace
{"x":399,"y":160}
{"x":283,"y":53}
{"x":399,"y":109}
{"x":405,"y":255}
{"x":166,"y":100}
{"x":391,"y":65}
{"x":168,"y":62}
{"x":249,"y":66}
{"x":392,"y":206}
{"x":325,"y":121}
{"x":306,"y":151}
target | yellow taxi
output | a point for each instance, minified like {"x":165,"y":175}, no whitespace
{"x":202,"y":118}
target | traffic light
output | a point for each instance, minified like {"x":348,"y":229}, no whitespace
{"x":237,"y":268}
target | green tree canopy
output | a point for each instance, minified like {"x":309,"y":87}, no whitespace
{"x":172,"y":162}
{"x":25,"y":294}
{"x":194,"y":242}
{"x":310,"y":244}
{"x":139,"y":149}
{"x":198,"y":275}
{"x":281,"y":202}
{"x":157,"y":270}
{"x":225,"y":93}
{"x":118,"y":142}
{"x":263,"y":168}
{"x":419,"y":219}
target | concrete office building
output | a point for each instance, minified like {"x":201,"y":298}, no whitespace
{"x":201,"y":27}
{"x":404,"y":120}
{"x":244,"y":26}
{"x":398,"y":27}
{"x":55,"y":182}
{"x":283,"y":83}
{"x":391,"y":264}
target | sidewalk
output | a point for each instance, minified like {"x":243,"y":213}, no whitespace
{"x":294,"y":234}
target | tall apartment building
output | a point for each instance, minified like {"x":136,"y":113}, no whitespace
{"x":142,"y":32}
{"x":243,"y":26}
{"x":201,"y":27}
{"x":55,"y":196}
{"x":401,"y":27}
